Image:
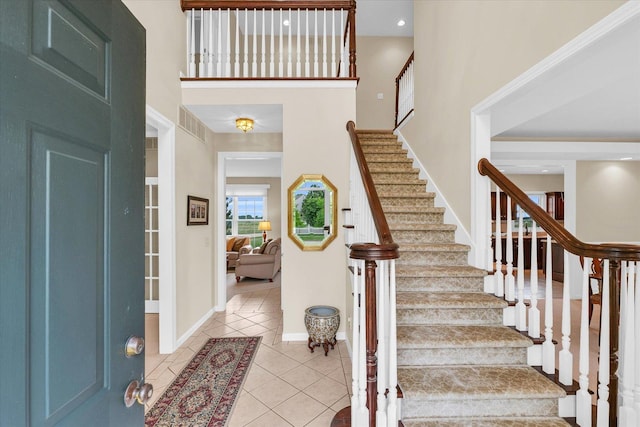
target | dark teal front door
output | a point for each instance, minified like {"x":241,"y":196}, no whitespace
{"x":72,"y":85}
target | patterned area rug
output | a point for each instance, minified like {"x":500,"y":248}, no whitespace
{"x":206,"y":390}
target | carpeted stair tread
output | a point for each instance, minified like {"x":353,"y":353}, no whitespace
{"x":439,"y":271}
{"x":393,"y":147}
{"x":403,"y":226}
{"x":458,"y":336}
{"x":448,"y":300}
{"x":434,"y":247}
{"x":476,"y":382}
{"x":412,"y":195}
{"x":401,"y":179}
{"x":488,"y":422}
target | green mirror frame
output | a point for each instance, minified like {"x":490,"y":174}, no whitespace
{"x":312,"y":199}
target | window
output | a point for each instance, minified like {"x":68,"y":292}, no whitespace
{"x":246,"y":206}
{"x":539,"y":199}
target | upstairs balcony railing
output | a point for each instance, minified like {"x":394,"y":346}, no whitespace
{"x":617,"y":380}
{"x":282,"y":39}
{"x":404,"y":92}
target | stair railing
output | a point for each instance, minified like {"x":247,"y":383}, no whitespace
{"x":374,"y":360}
{"x":618,"y":376}
{"x":404,"y":92}
{"x":261,"y":39}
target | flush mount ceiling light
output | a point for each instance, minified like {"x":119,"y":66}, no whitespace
{"x":244,"y":124}
{"x":401,"y":23}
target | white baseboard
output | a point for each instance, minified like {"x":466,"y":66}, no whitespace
{"x":303,"y":336}
{"x":194,"y":328}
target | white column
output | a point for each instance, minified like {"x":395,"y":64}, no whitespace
{"x":254,"y":63}
{"x":245,"y":65}
{"x":306,"y":50}
{"x":201,"y":70}
{"x":603,"y":357}
{"x":628,"y":359}
{"x":315,"y":44}
{"x":263,"y":61}
{"x":236,"y":66}
{"x":324,"y":43}
{"x":333,"y":43}
{"x":381,"y":316}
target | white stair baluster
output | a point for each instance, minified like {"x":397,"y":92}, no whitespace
{"x":263,"y":58}
{"x":227,"y":67}
{"x":333,"y":43}
{"x":236,"y":66}
{"x":603,"y":358}
{"x":548,"y":347}
{"x":272,"y":53}
{"x":214,"y":59}
{"x":636,"y":337}
{"x":509,"y":282}
{"x":355,"y":359}
{"x":521,"y":309}
{"x":628,"y":416}
{"x":362,"y":371}
{"x":583,"y":398}
{"x":324,"y":43}
{"x":315,"y":45}
{"x":381,"y":353}
{"x":343,"y":66}
{"x":306,"y":50}
{"x":289,"y":52}
{"x":534,"y":311}
{"x":281,"y":52}
{"x":392,"y":408}
{"x":498,"y":276}
{"x":201,"y":71}
{"x":192,"y":43}
{"x":299,"y":52}
{"x":565,"y":360}
{"x":245,"y":64}
{"x":254,"y":63}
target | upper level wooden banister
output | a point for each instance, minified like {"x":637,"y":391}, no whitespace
{"x":380,"y":221}
{"x":613,"y":251}
{"x":267,"y":4}
{"x":404,"y":67}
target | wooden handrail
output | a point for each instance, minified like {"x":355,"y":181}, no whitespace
{"x":380,"y":221}
{"x":612,"y":251}
{"x":400,"y":74}
{"x":267,"y":4}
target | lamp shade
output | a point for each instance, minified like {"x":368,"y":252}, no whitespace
{"x":264,"y":226}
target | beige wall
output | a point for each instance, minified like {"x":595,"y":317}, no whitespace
{"x":380,"y":59}
{"x":166,"y":52}
{"x":464,"y":52}
{"x":314,"y":141}
{"x":540,"y":183}
{"x":274,"y":201}
{"x":195,"y":176}
{"x":607,"y":201}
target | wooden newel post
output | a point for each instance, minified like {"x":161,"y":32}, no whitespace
{"x":614,"y":340}
{"x":372,"y":338}
{"x":352,"y":41}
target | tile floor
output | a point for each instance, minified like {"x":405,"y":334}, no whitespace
{"x":287,"y":384}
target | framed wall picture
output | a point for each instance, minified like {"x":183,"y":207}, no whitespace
{"x":197,"y":211}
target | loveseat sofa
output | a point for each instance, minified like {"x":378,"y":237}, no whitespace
{"x":261,"y":263}
{"x":236,"y":245}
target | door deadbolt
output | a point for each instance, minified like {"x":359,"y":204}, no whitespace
{"x":134,"y":346}
{"x":137,"y":392}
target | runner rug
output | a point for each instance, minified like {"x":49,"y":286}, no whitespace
{"x":204,"y":393}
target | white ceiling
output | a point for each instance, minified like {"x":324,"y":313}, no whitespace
{"x":222,"y":118}
{"x":380,"y":18}
{"x":591,"y":97}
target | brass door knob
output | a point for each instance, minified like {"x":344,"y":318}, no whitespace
{"x":134,"y":346}
{"x":137,"y":392}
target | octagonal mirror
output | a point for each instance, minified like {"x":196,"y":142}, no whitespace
{"x":312,"y":212}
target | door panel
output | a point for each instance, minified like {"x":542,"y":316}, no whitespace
{"x":67,"y":254}
{"x":72,"y":81}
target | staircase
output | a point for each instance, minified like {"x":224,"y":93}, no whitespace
{"x":457,"y":364}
